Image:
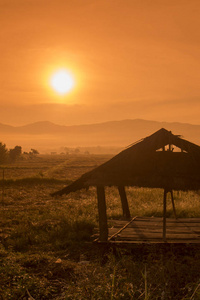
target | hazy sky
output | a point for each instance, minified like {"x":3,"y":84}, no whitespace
{"x":129,"y":58}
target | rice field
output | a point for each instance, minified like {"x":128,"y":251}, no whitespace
{"x":46,"y":250}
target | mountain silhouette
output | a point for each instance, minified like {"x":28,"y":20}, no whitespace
{"x":112,"y":133}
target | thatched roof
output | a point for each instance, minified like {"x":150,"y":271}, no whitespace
{"x":143,"y":165}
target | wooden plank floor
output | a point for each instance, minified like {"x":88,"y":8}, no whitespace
{"x":149,"y":230}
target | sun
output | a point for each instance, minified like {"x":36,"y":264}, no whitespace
{"x":62,"y":81}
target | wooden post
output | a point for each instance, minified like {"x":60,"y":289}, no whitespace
{"x":173,"y":204}
{"x":103,"y":226}
{"x":164,"y":214}
{"x":124,"y":201}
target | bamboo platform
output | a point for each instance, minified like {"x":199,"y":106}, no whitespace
{"x":150,"y":230}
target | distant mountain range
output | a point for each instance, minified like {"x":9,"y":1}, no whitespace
{"x":47,"y":135}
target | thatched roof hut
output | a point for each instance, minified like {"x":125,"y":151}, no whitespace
{"x":147,"y":163}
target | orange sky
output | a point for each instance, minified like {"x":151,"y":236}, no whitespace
{"x":130,"y":58}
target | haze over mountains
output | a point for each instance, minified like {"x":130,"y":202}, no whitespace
{"x":46,"y":136}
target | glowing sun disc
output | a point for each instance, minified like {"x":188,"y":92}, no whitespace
{"x":62,"y":81}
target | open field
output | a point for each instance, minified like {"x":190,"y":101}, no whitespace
{"x":45,"y":243}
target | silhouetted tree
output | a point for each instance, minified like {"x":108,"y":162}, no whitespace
{"x":77,"y":151}
{"x":34,"y":151}
{"x":3,"y":153}
{"x":15,"y":153}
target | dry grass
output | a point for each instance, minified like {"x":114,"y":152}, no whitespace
{"x":45,"y":248}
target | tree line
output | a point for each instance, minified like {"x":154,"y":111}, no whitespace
{"x":11,"y":155}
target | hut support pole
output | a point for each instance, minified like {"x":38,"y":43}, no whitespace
{"x":124,"y":201}
{"x":164,"y":214}
{"x":103,"y":226}
{"x":173,"y":204}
